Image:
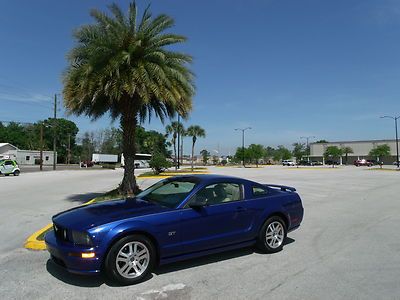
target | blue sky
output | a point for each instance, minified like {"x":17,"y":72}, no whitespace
{"x":287,"y":68}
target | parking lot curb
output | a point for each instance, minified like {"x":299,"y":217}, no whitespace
{"x":33,"y":243}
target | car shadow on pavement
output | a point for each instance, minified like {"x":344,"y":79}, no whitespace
{"x":82,"y":198}
{"x":97,"y":280}
{"x":213,"y":258}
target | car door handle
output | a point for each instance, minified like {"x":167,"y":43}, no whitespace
{"x":240,"y":209}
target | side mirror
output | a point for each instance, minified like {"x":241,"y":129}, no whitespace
{"x":198,"y":202}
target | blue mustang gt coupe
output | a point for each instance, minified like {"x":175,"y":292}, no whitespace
{"x":175,"y":219}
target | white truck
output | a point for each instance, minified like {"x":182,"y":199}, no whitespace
{"x":104,"y":158}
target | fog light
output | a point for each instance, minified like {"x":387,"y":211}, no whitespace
{"x":88,"y":255}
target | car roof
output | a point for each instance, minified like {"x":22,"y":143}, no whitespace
{"x":208,"y":178}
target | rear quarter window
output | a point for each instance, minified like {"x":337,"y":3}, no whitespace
{"x":259,"y":192}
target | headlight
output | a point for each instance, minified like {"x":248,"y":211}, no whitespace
{"x":81,"y":238}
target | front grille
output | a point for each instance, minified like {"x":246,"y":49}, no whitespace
{"x":60,"y":232}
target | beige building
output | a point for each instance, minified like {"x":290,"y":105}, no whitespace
{"x":361,"y":150}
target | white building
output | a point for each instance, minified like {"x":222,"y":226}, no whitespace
{"x":25,"y":157}
{"x":360,"y":149}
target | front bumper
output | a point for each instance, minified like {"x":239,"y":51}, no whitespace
{"x":69,"y":256}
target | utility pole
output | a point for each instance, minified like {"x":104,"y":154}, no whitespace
{"x":397,"y":138}
{"x":41,"y":147}
{"x":308,"y":150}
{"x":243,"y":130}
{"x":69,"y":149}
{"x":55,"y":133}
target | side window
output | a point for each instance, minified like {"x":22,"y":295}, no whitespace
{"x":259,"y":192}
{"x":219,"y":193}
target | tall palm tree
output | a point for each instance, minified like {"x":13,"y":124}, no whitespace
{"x":173,"y":129}
{"x":123,"y":65}
{"x":195,"y":131}
{"x":346,"y":152}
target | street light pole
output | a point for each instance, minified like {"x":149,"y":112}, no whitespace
{"x":308,"y":150}
{"x":397,"y":139}
{"x":243,"y":130}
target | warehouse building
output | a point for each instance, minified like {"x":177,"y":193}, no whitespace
{"x":25,"y":157}
{"x":360,"y":149}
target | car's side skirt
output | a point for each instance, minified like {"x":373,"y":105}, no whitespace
{"x":186,"y":256}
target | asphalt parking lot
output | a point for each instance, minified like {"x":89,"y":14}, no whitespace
{"x":347,"y":246}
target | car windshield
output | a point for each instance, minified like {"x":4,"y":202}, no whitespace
{"x":169,"y":193}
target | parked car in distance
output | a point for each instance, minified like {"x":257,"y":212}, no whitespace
{"x":331,"y":162}
{"x":87,"y":164}
{"x":286,"y":162}
{"x":363,"y":162}
{"x":309,"y":163}
{"x":9,"y":166}
{"x":175,"y":219}
{"x":395,"y":163}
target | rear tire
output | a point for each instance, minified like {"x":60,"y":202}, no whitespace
{"x":272,"y":235}
{"x":131,"y":259}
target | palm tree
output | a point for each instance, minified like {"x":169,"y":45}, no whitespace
{"x":347,"y":151}
{"x":182,"y":134}
{"x":195,"y":131}
{"x":173,"y":129}
{"x":124,"y":66}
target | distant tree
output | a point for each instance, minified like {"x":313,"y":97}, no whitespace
{"x":380,"y":151}
{"x":321,"y":142}
{"x":256,"y":152}
{"x":334,"y":153}
{"x":159,"y":163}
{"x":346,"y":151}
{"x":299,"y":151}
{"x":205,"y":156}
{"x":88,"y":146}
{"x":173,"y":129}
{"x":282,"y":153}
{"x":195,"y":131}
{"x":242,"y":153}
{"x":215,"y":159}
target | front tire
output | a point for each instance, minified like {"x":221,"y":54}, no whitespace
{"x":272,"y":235}
{"x":131,"y":259}
{"x":16,"y":173}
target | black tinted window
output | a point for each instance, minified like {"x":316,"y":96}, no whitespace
{"x":259,"y":191}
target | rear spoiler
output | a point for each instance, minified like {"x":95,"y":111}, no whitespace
{"x":283,"y":188}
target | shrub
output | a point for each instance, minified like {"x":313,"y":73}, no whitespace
{"x":159,"y":163}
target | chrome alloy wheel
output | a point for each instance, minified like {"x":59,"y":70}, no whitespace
{"x":274,"y":235}
{"x":132,"y":259}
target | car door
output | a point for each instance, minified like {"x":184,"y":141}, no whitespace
{"x":223,"y":221}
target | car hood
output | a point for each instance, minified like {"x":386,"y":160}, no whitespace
{"x":89,"y":216}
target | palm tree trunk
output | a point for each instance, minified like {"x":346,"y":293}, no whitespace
{"x":128,"y":125}
{"x":192,"y":154}
{"x":175,"y":158}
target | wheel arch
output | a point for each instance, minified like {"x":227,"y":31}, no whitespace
{"x":280,"y":214}
{"x":128,"y":233}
